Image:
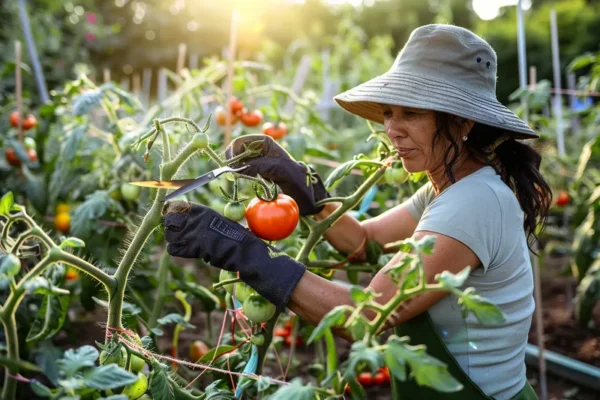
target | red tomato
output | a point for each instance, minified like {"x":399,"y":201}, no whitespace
{"x":281,"y":332}
{"x":379,"y":378}
{"x":273,"y":220}
{"x":32,"y":154}
{"x":235,"y":106}
{"x":29,"y":122}
{"x":563,"y":198}
{"x":198,"y":349}
{"x":365,"y":378}
{"x":14,"y":119}
{"x":275,"y":132}
{"x":386,"y":372}
{"x":11,"y":157}
{"x":252,"y":118}
{"x":221,"y":116}
{"x":288,"y":341}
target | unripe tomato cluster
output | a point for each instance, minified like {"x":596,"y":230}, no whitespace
{"x":256,"y":308}
{"x":137,"y":389}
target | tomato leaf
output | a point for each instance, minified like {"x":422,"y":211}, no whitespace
{"x":338,"y":173}
{"x":486,"y":312}
{"x":449,"y":280}
{"x":41,"y":285}
{"x":360,"y":353}
{"x":109,"y":376}
{"x":72,"y":242}
{"x":425,"y":369}
{"x":40,"y":389}
{"x":219,"y":350}
{"x":47,"y":357}
{"x":174,"y":318}
{"x":50,"y":318}
{"x":296,"y":390}
{"x":75,"y":359}
{"x":86,"y":102}
{"x":160,"y":387}
{"x":335,"y":317}
{"x":581,"y":61}
{"x":6,"y":203}
{"x":84,"y":219}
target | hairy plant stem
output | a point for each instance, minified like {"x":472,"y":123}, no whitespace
{"x":317,"y":230}
{"x":163,"y":283}
{"x":150,"y":222}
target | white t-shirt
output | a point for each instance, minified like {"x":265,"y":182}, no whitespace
{"x":483,"y":213}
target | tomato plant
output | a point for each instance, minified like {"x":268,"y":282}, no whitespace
{"x":273,"y":220}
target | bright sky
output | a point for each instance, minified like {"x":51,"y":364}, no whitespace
{"x":489,"y":9}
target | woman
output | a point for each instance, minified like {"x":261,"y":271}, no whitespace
{"x":484,"y":200}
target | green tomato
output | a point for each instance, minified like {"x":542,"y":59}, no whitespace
{"x":137,"y":388}
{"x":136,"y":363}
{"x":394,"y":176}
{"x":29,"y":143}
{"x":130,"y":192}
{"x":258,"y":309}
{"x":214,"y":186}
{"x":234,"y":211}
{"x":10,"y":265}
{"x":225,"y":276}
{"x":242,"y":291}
{"x":118,"y":357}
{"x":200,"y":140}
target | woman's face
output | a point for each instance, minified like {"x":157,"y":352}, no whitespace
{"x":411,"y":131}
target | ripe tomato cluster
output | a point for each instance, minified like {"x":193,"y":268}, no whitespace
{"x":28,"y":123}
{"x":286,"y":333}
{"x":62,"y":219}
{"x":11,"y":154}
{"x":368,"y":379}
{"x":237,"y":112}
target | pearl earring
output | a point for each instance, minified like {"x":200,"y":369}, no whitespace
{"x":464,"y":138}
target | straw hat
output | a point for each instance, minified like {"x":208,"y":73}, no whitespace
{"x":443,"y":68}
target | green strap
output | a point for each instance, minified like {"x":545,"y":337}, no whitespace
{"x":422,"y":331}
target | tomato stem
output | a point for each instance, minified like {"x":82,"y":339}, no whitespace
{"x":226,"y":282}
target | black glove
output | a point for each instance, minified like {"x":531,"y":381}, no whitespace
{"x":295,"y":179}
{"x":197,"y":231}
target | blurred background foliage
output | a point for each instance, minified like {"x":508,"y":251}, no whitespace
{"x":128,"y":35}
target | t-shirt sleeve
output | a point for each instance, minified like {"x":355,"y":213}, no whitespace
{"x":470,"y":214}
{"x":420,"y":200}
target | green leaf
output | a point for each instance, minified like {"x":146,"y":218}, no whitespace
{"x":208,"y":299}
{"x":72,"y":141}
{"x":10,"y":265}
{"x":374,"y":251}
{"x":109,"y":376}
{"x":338,"y":173}
{"x":85,"y":217}
{"x":35,"y":188}
{"x":128,"y":308}
{"x":72,"y":242}
{"x":397,"y":366}
{"x":221,"y":395}
{"x":174,"y":318}
{"x":425,"y":369}
{"x":361,"y":353}
{"x":335,"y":317}
{"x":47,"y":357}
{"x":219,"y":350}
{"x":359,"y":294}
{"x":584,"y":158}
{"x":41,"y":285}
{"x":296,"y":390}
{"x":582,"y":61}
{"x":160,"y":387}
{"x":50,"y":318}
{"x":157,"y":331}
{"x":87,"y":101}
{"x":425,"y":245}
{"x":264,"y":382}
{"x":449,"y":280}
{"x":6,"y":203}
{"x":75,"y":359}
{"x":40,"y":389}
{"x":486,"y":312}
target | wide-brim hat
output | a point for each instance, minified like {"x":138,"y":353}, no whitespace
{"x":442,"y":68}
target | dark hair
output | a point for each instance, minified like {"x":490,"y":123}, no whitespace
{"x":518,"y":165}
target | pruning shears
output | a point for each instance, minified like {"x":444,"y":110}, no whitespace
{"x":186,"y":185}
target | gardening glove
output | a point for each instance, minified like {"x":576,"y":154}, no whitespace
{"x":196,"y":231}
{"x":296,"y":179}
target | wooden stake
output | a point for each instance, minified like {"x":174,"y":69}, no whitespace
{"x":19,"y":83}
{"x":231,"y":60}
{"x":146,"y":84}
{"x":299,"y":79}
{"x":106,"y":75}
{"x":181,"y":57}
{"x":136,"y":83}
{"x":539,"y":323}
